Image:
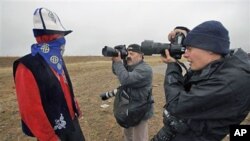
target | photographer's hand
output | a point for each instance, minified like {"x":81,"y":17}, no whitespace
{"x":168,"y":58}
{"x":118,"y":58}
{"x":172,"y":34}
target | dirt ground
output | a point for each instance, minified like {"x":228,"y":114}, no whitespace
{"x":90,"y":76}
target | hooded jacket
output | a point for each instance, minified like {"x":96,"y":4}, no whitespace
{"x":212,"y":99}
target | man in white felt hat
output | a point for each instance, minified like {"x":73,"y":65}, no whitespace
{"x":48,"y":108}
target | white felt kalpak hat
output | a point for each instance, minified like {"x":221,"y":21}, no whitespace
{"x":47,"y":22}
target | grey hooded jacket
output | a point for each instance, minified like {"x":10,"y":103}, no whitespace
{"x":212,"y":99}
{"x":138,"y":81}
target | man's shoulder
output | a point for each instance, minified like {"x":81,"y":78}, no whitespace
{"x":21,"y":59}
{"x":27,"y":56}
{"x":145,"y":66}
{"x":29,"y":61}
{"x":237,"y":60}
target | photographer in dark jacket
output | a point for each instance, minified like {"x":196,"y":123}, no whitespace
{"x":136,"y":78}
{"x":213,"y":94}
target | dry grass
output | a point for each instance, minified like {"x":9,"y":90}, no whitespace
{"x":90,"y":76}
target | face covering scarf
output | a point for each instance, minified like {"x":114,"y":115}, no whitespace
{"x":52,"y":53}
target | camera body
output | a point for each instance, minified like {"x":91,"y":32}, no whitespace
{"x":113,"y":52}
{"x":175,"y":124}
{"x":172,"y":126}
{"x":176,"y":48}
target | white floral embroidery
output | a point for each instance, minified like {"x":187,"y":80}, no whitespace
{"x":60,"y":123}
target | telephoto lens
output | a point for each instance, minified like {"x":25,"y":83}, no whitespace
{"x":176,"y":48}
{"x":107,"y":95}
{"x":110,"y":52}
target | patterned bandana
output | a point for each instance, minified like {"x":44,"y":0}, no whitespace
{"x":51,"y":52}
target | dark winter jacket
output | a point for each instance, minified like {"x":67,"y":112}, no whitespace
{"x":212,"y":99}
{"x":138,"y":82}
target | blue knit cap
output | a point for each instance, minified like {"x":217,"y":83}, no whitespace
{"x":209,"y":35}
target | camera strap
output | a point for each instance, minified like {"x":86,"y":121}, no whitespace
{"x":182,"y":65}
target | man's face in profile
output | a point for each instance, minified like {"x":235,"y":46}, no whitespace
{"x":133,"y":58}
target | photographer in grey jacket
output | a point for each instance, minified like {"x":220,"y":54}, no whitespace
{"x":136,"y":79}
{"x":213,"y":94}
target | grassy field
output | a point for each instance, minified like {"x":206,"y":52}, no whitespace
{"x":90,"y":76}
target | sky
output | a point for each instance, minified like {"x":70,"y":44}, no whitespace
{"x":99,"y":23}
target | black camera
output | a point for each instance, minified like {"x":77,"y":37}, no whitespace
{"x":172,"y":126}
{"x":149,"y":47}
{"x":176,"y":48}
{"x":113,"y":52}
{"x":107,"y":95}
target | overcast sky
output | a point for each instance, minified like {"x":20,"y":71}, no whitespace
{"x":96,"y":23}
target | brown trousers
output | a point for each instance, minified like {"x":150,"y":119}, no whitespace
{"x":137,"y":133}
